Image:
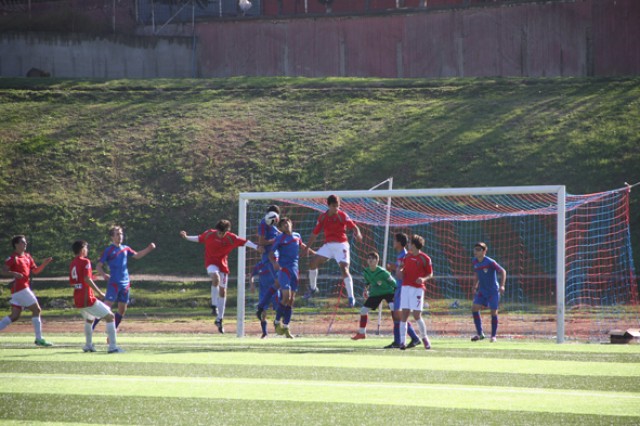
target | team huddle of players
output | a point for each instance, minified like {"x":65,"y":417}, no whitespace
{"x":402,"y":284}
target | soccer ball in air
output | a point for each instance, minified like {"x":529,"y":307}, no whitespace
{"x":271,"y":218}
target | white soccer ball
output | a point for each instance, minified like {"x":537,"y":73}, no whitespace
{"x":271,"y":218}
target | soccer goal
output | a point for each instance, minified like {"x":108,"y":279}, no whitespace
{"x":568,"y":278}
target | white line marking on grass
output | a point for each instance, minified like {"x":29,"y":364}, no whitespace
{"x":337,"y":384}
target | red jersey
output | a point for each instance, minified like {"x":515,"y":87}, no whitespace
{"x":416,"y":266}
{"x":23,"y":264}
{"x":334,"y":226}
{"x":82,"y":292}
{"x":217,"y":249}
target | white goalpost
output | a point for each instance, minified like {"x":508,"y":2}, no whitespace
{"x":514,"y":219}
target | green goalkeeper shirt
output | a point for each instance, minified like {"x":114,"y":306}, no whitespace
{"x":380,"y":281}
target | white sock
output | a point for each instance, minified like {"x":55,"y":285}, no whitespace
{"x":88,"y":333}
{"x":214,"y":296}
{"x":37,"y":327}
{"x":403,"y":332}
{"x":313,"y":279}
{"x":423,"y":328}
{"x":111,"y":332}
{"x":222,"y":302}
{"x":348,"y":284}
{"x":5,"y":322}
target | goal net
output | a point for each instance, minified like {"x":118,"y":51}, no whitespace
{"x":571,"y":278}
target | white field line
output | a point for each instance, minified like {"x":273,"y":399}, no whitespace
{"x":279,"y":382}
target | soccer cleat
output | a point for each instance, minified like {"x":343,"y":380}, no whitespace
{"x":351,"y":302}
{"x":264,"y":336}
{"x":259,"y":313}
{"x":477,"y":337}
{"x":493,"y":339}
{"x":393,"y":345}
{"x":279,"y":329}
{"x":427,"y":344}
{"x":413,"y":343}
{"x":287,"y":333}
{"x":89,"y":348}
{"x":218,"y":324}
{"x":214,"y":310}
{"x":43,"y":343}
{"x":116,"y":350}
{"x":402,"y":347}
{"x":359,"y":336}
{"x":309,"y":294}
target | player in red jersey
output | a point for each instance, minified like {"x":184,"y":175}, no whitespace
{"x":218,"y":243}
{"x":19,"y":266}
{"x":334,"y":222}
{"x":81,"y":279}
{"x":416,"y":271}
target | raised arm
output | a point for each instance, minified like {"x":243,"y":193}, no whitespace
{"x":146,"y":251}
{"x":45,"y":262}
{"x":192,"y":238}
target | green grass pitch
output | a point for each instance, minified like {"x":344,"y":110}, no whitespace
{"x":212,"y":379}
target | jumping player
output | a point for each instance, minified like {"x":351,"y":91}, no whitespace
{"x":334,"y":222}
{"x":287,"y":245}
{"x":380,"y":286}
{"x":416,"y":271}
{"x":487,"y":292}
{"x":116,"y":257}
{"x":218,"y":243}
{"x":81,"y":279}
{"x":19,"y":266}
{"x":266,"y":274}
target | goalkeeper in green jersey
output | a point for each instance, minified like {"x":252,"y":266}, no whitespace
{"x":380,"y":286}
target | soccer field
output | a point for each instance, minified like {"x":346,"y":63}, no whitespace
{"x":205,"y":379}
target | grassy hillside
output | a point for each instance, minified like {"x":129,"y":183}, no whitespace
{"x":163,"y":155}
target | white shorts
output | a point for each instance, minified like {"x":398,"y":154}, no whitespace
{"x":97,"y":310}
{"x":336,"y":251}
{"x":213,"y":269}
{"x":412,"y":298}
{"x":23,"y":298}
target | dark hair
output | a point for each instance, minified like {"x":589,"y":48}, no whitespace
{"x":273,"y":208}
{"x":373,"y":254}
{"x":78,"y":245}
{"x":332,"y":199}
{"x":417,"y":241}
{"x":15,"y":240}
{"x":223,"y":225}
{"x":283,"y":219}
{"x":402,"y":238}
{"x":114,"y":230}
{"x":482,"y":245}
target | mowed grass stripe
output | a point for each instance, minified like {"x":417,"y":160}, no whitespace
{"x":615,"y":384}
{"x":423,"y":395}
{"x":32,"y":408}
{"x":417,"y":359}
